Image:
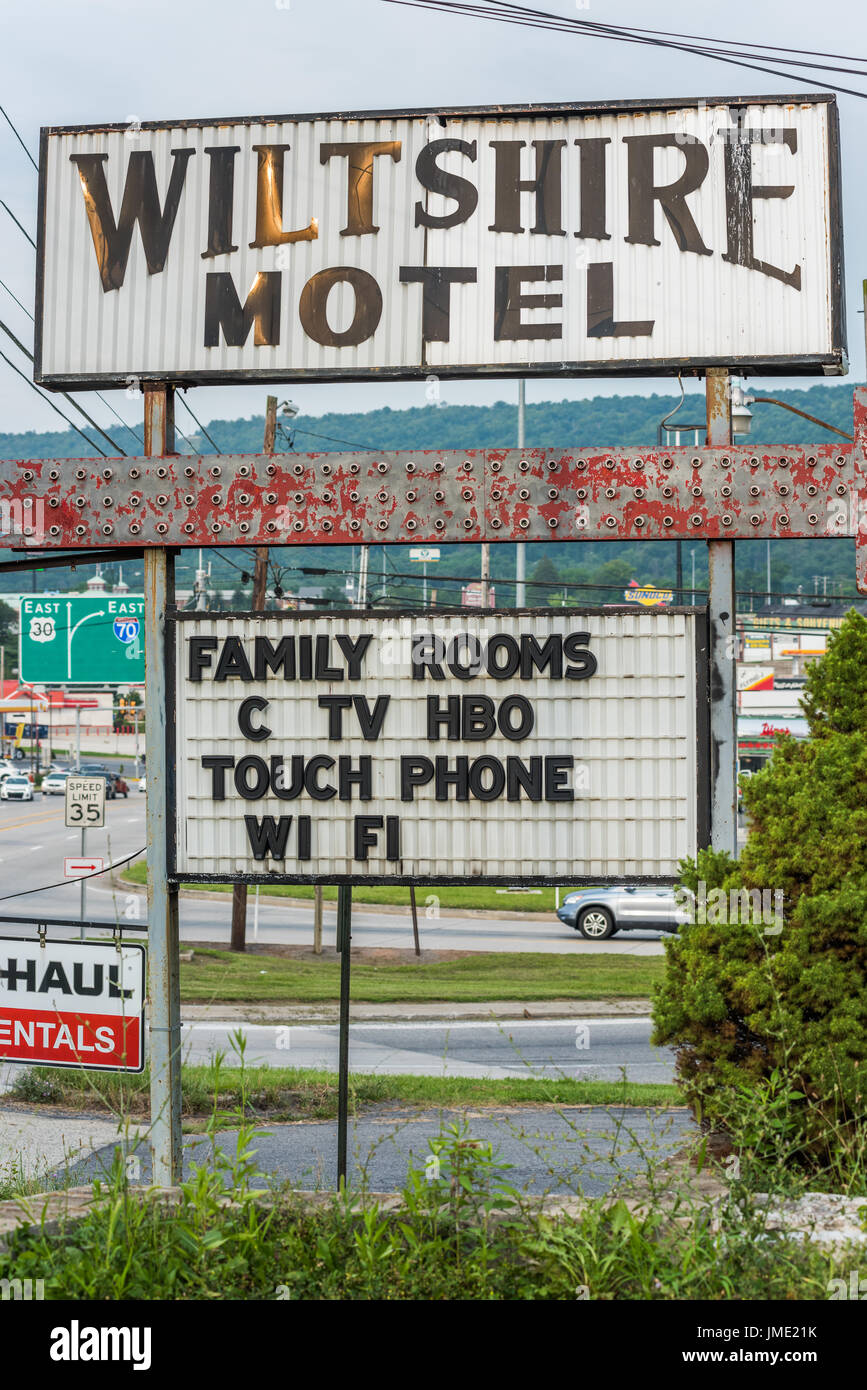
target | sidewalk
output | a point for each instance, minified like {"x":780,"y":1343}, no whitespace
{"x":34,"y":1144}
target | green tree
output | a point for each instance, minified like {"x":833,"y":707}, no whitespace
{"x":544,"y":578}
{"x":743,"y":1000}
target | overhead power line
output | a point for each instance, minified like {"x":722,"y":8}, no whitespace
{"x":55,"y":408}
{"x":21,"y":229}
{"x":369,"y":448}
{"x":17,"y":300}
{"x":29,"y":355}
{"x":189,"y":410}
{"x":757,"y":48}
{"x":704,"y":48}
{"x":108,"y":405}
{"x":7,"y":118}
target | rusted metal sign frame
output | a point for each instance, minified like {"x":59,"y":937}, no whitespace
{"x":715,"y":492}
{"x":702,"y":790}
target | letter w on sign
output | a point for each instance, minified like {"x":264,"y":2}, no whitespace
{"x":141,"y":203}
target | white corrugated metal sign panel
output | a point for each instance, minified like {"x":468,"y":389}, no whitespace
{"x":702,"y":307}
{"x":631,"y":729}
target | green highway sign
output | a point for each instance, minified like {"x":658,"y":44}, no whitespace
{"x":83,"y":639}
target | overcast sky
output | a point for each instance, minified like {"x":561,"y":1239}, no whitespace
{"x":66,"y":61}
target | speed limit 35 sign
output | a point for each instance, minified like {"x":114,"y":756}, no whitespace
{"x":85,"y":802}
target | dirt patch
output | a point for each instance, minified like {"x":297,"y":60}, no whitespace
{"x":308,"y":1103}
{"x":362,"y":955}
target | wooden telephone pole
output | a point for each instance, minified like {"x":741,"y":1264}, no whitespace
{"x":260,"y":585}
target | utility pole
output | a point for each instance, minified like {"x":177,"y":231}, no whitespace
{"x":721,"y":613}
{"x":317,"y":920}
{"x":164,"y":1012}
{"x":361,"y":593}
{"x":200,"y":587}
{"x":260,"y":586}
{"x":520,"y":548}
{"x":486,"y":575}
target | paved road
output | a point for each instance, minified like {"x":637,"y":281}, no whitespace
{"x":34,"y":842}
{"x":586,"y":1049}
{"x":604,"y":1049}
{"x":569,"y":1150}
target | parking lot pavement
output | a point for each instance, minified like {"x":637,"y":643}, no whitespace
{"x":567,"y":1149}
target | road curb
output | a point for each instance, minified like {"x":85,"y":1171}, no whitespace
{"x":388,"y":909}
{"x":494,"y":1010}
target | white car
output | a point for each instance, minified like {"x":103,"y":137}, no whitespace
{"x":142,"y":784}
{"x":54,"y":783}
{"x":16,"y":788}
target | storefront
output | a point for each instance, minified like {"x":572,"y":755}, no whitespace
{"x":757,"y":736}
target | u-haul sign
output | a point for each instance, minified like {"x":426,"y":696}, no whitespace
{"x":522,"y":747}
{"x":72,"y":1004}
{"x":623,"y":238}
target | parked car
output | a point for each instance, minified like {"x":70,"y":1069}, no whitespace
{"x":16,"y":788}
{"x":142,"y":783}
{"x":54,"y":783}
{"x":598,"y":913}
{"x":110,"y":788}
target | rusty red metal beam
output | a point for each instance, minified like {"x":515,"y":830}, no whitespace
{"x":429,"y":496}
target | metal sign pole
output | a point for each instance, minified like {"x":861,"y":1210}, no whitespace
{"x":344,"y":935}
{"x":83,"y":882}
{"x":721,"y":611}
{"x":414,"y":909}
{"x":163,"y":964}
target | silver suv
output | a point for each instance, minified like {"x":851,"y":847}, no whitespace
{"x":598,"y":913}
